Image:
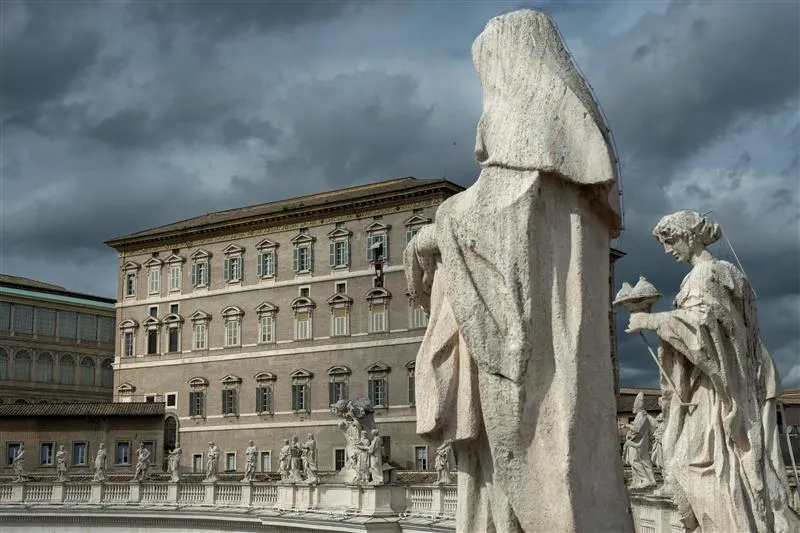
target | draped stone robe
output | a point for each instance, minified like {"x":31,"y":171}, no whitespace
{"x":515,"y":366}
{"x":722,"y":456}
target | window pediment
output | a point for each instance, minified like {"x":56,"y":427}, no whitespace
{"x":200,"y":255}
{"x":302,"y":238}
{"x":302,"y":301}
{"x":230,"y":379}
{"x":199,"y":316}
{"x":377,"y":367}
{"x":417,"y":220}
{"x":131,"y":265}
{"x":339,"y":370}
{"x":301,"y":374}
{"x":153,"y":262}
{"x":339,"y":299}
{"x":377,"y":227}
{"x":411,"y":364}
{"x":266,"y":307}
{"x":198,"y":382}
{"x":232,"y":312}
{"x":339,"y":233}
{"x":126,"y":388}
{"x":173,"y":318}
{"x":151,"y":322}
{"x":265,"y":376}
{"x":233,"y":249}
{"x":172,"y":259}
{"x":378,"y":293}
{"x":128,"y":323}
{"x":266,"y":244}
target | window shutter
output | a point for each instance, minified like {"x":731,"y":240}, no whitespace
{"x":295,"y":259}
{"x":371,"y":389}
{"x":207,"y":276}
{"x":332,"y":254}
{"x":311,"y":258}
{"x":386,"y":393}
{"x":345,"y":391}
{"x":409,"y":235}
{"x":331,"y":393}
{"x":260,"y":265}
{"x":191,"y":404}
{"x":259,"y":400}
{"x":268,"y":399}
{"x":241,"y":269}
{"x":194,"y":274}
{"x":224,"y":407}
{"x":294,"y":397}
{"x":201,"y":403}
{"x":386,"y":247}
{"x":369,"y":247}
{"x":347,"y":252}
{"x":226,"y":270}
{"x":273,"y":263}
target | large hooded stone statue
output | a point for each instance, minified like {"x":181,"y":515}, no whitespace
{"x":514,"y":368}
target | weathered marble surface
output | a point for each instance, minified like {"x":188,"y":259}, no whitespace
{"x":722,"y":457}
{"x":514,"y":366}
{"x":637,"y":443}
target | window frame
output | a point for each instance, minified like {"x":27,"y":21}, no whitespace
{"x":378,"y":373}
{"x":301,"y":381}
{"x":167,"y":396}
{"x":75,"y":445}
{"x":265,"y":381}
{"x":51,"y":460}
{"x":267,"y":257}
{"x":426,"y":466}
{"x":232,"y":317}
{"x":233,"y":264}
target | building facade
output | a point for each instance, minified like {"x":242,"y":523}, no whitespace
{"x":251,"y":323}
{"x":80,"y":428}
{"x":55,"y":345}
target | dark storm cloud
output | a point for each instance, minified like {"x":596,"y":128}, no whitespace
{"x":44,"y":53}
{"x":677,"y":81}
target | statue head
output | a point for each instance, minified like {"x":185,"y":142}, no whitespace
{"x":374,"y":433}
{"x":638,"y":403}
{"x":363,"y":434}
{"x":310,"y":436}
{"x":286,"y":442}
{"x":294,"y":439}
{"x":684,"y":234}
{"x":102,"y":446}
{"x":250,"y":442}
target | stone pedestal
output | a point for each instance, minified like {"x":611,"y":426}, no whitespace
{"x":372,"y":500}
{"x":96,"y":494}
{"x":247,"y":494}
{"x":135,"y":494}
{"x":57,"y":495}
{"x":18,"y":492}
{"x":172,"y":492}
{"x":286,"y":496}
{"x":437,"y":500}
{"x":210,"y":493}
{"x":306,"y":497}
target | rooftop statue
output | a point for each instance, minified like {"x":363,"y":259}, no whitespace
{"x":514,"y":367}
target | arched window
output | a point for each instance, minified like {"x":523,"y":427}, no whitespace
{"x":3,"y":364}
{"x":87,"y":371}
{"x":44,"y":368}
{"x":106,"y":374}
{"x":66,"y":370}
{"x":22,"y":366}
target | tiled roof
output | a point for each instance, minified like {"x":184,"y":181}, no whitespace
{"x":84,"y":409}
{"x":31,"y":288}
{"x":28,"y":282}
{"x":296,"y":205}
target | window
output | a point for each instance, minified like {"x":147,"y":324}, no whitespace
{"x":130,"y":284}
{"x":303,"y":253}
{"x":175,"y":277}
{"x":67,"y":325}
{"x":414,"y":224}
{"x":152,"y":311}
{"x":12,"y":451}
{"x":339,"y":247}
{"x":340,"y":321}
{"x":125,"y":392}
{"x":105,"y":329}
{"x":46,"y":453}
{"x":378,"y":317}
{"x":66,"y":370}
{"x":152,"y":342}
{"x":378,"y":384}
{"x":173,"y":309}
{"x":5,"y":316}
{"x":44,"y":368}
{"x":265,"y":393}
{"x":266,"y":328}
{"x":230,"y":461}
{"x":128,"y":343}
{"x":303,"y":317}
{"x":45,"y":322}
{"x":305,"y":292}
{"x":200,"y":268}
{"x":171,"y":399}
{"x":421,"y":457}
{"x":232,"y":271}
{"x":22,"y":366}
{"x":173,"y":336}
{"x":3,"y":364}
{"x":87,"y":371}
{"x":419,"y":318}
{"x":339,"y":460}
{"x":267,"y":258}
{"x":197,"y":463}
{"x":23,"y":319}
{"x":233,"y":325}
{"x":266,"y":461}
{"x":150,"y":398}
{"x":377,"y":241}
{"x":340,"y":287}
{"x":197,"y":396}
{"x":338,"y":384}
{"x":106,"y":373}
{"x":230,"y":404}
{"x":79,"y":451}
{"x":301,"y":380}
{"x":411,"y":380}
{"x":200,"y":336}
{"x":154,"y":280}
{"x":123,"y":453}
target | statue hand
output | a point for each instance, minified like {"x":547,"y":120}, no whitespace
{"x":640,"y":322}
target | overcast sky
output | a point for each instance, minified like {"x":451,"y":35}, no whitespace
{"x":121,"y":116}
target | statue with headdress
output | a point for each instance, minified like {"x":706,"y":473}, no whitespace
{"x":514,"y":368}
{"x":722,"y":459}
